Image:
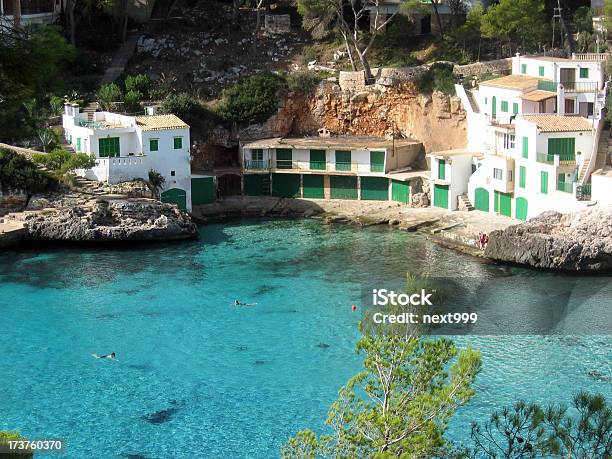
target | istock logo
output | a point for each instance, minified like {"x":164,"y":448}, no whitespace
{"x":384,"y":297}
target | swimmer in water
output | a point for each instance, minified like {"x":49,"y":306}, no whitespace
{"x":238,"y":303}
{"x":108,"y":356}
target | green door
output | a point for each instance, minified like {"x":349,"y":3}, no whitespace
{"x":375,"y":188}
{"x":377,"y":161}
{"x":503,"y":203}
{"x":544,"y":182}
{"x":343,"y":187}
{"x":175,"y":196}
{"x":400,"y":191}
{"x":283,"y":158}
{"x":481,"y":198}
{"x":257,"y":185}
{"x":494,"y":107}
{"x":565,"y":148}
{"x":314,"y":187}
{"x":317,"y":160}
{"x":343,"y":160}
{"x":286,"y":185}
{"x":78,"y":144}
{"x":202,"y":190}
{"x":441,"y":196}
{"x":521,"y":209}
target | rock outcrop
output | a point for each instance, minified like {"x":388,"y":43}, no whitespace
{"x":581,"y":241}
{"x":110,"y":221}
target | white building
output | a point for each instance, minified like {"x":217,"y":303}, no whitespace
{"x":30,"y":11}
{"x":533,"y":139}
{"x":128,"y":147}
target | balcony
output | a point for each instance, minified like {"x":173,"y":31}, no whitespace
{"x":545,"y":85}
{"x":257,"y":164}
{"x":565,"y":159}
{"x":565,"y":187}
{"x":314,"y":166}
{"x":570,"y":86}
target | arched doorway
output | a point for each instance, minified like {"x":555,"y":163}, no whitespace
{"x":481,"y":199}
{"x":175,"y":196}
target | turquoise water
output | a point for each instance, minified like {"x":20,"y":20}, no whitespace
{"x":196,"y":377}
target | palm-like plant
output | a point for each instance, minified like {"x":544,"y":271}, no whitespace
{"x":156,"y":182}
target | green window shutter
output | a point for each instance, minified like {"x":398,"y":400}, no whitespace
{"x":153,"y":144}
{"x":544,"y":182}
{"x":78,"y":144}
{"x":109,"y":147}
{"x":525,"y":147}
{"x":541,"y":71}
{"x":504,"y":106}
{"x":284,"y":158}
{"x":317,"y":160}
{"x":442,"y":169}
{"x":343,"y":160}
{"x":377,"y":161}
{"x":522,"y":176}
{"x":178,"y":143}
{"x":515,"y":108}
{"x":584,"y":73}
{"x":523,"y":68}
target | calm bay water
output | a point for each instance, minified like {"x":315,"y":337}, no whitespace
{"x":196,"y":377}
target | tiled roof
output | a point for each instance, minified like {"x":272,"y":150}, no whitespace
{"x":538,"y":95}
{"x":160,"y":122}
{"x":555,"y":123}
{"x":517,"y":82}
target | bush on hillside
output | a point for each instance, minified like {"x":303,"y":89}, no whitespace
{"x":252,"y":100}
{"x":131,"y":101}
{"x":18,"y":173}
{"x":108,"y":94}
{"x":61,"y":162}
{"x":139,"y":83}
{"x":182,"y":105}
{"x":304,"y":82}
{"x":439,"y":78}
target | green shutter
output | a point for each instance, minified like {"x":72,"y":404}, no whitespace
{"x":109,"y":147}
{"x":504,"y":106}
{"x":521,"y":209}
{"x":503,"y":203}
{"x":78,"y":144}
{"x":400,"y":191}
{"x":526,"y":147}
{"x":515,"y":108}
{"x":441,"y":196}
{"x":494,"y":107}
{"x":441,"y":169}
{"x":343,"y":160}
{"x":522,"y":176}
{"x":375,"y":188}
{"x":584,"y":73}
{"x":523,"y":68}
{"x":314,"y":186}
{"x":178,"y":143}
{"x":541,"y":71}
{"x":343,"y":186}
{"x":284,"y":159}
{"x":564,"y":147}
{"x":153,"y":144}
{"x":377,"y":161}
{"x":317,"y":160}
{"x":544,"y":182}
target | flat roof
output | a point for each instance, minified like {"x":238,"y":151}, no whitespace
{"x":548,"y":58}
{"x":407,"y":175}
{"x":353,"y":142}
{"x":160,"y":122}
{"x":516,"y":82}
{"x":556,"y":123}
{"x":538,"y":95}
{"x":456,"y":152}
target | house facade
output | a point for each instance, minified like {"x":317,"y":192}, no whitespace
{"x":367,"y":168}
{"x":533,"y":139}
{"x":30,"y":11}
{"x":128,"y":147}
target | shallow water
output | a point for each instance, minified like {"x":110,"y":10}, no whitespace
{"x":196,"y":377}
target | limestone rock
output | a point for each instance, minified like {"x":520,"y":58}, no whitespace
{"x":581,"y":241}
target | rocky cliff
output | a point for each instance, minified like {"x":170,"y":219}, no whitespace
{"x":577,"y":242}
{"x":110,"y":221}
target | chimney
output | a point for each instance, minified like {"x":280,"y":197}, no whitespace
{"x":323,"y":132}
{"x":75,"y":110}
{"x":560,"y":100}
{"x":151,"y":110}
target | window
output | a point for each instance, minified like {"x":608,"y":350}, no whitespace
{"x":343,"y":160}
{"x":377,"y":161}
{"x":515,"y":108}
{"x":172,"y":173}
{"x":509,"y":176}
{"x":486,"y":100}
{"x":284,"y":158}
{"x":441,"y":169}
{"x":257,"y":154}
{"x":522,"y":176}
{"x":584,"y":73}
{"x":318,"y":159}
{"x":569,"y":106}
{"x":544,"y":182}
{"x":590,"y":108}
{"x":541,"y":71}
{"x":525,"y":148}
{"x":504,"y":106}
{"x":508,"y":141}
{"x":109,"y":147}
{"x":178,"y":143}
{"x":497,"y":174}
{"x":523,"y":68}
{"x":153,"y":144}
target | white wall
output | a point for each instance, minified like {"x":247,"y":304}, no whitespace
{"x":601,"y":189}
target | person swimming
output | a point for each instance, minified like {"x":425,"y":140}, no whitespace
{"x":238,"y":303}
{"x":108,"y":356}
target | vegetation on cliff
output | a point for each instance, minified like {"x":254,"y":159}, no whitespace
{"x":19,"y":174}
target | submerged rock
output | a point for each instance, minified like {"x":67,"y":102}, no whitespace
{"x":111,"y":221}
{"x":581,"y":241}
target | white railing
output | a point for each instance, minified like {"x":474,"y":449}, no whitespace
{"x":592,"y":57}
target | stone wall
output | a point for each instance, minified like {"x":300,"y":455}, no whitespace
{"x":499,"y":66}
{"x":277,"y":23}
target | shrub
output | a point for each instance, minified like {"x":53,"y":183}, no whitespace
{"x":131,"y":101}
{"x":252,"y":100}
{"x":439,"y":78}
{"x":139,"y":83}
{"x":303,"y":81}
{"x":61,"y":162}
{"x":108,"y":94}
{"x":182,"y":105}
{"x":56,"y":105}
{"x":18,"y":173}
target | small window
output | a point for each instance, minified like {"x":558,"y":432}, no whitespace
{"x":509,"y":176}
{"x":154,"y":145}
{"x":522,"y":176}
{"x":526,"y":147}
{"x":442,"y":169}
{"x":515,"y":108}
{"x":508,"y":141}
{"x":172,"y":173}
{"x":523,"y":68}
{"x":497,"y":173}
{"x":590,"y":108}
{"x":486,"y":100}
{"x":504,"y":106}
{"x":257,"y":154}
{"x":584,"y":73}
{"x":541,"y":71}
{"x":178,"y":143}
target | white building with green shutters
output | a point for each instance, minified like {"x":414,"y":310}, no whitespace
{"x":128,"y":147}
{"x":332,"y":167}
{"x":533,"y":139}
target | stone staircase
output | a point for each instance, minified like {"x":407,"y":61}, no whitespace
{"x":472,"y":99}
{"x":91,"y":108}
{"x":463,"y":203}
{"x":603,"y":150}
{"x":91,"y":187}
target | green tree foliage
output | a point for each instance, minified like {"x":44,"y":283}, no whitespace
{"x":519,"y":23}
{"x":156,"y":182}
{"x":468,"y":35}
{"x":108,"y":95}
{"x":607,"y":15}
{"x":182,"y":105}
{"x":303,"y":81}
{"x":583,"y":19}
{"x":5,"y":437}
{"x":252,"y":100}
{"x":139,"y":83}
{"x":30,"y":60}
{"x":439,"y":78}
{"x":62,"y":162}
{"x":18,"y":173}
{"x":131,"y":101}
